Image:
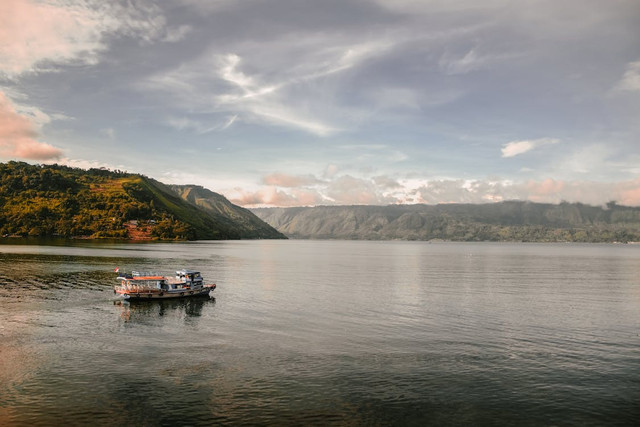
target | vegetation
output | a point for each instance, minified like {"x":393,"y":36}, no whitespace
{"x":507,"y":221}
{"x":38,"y":200}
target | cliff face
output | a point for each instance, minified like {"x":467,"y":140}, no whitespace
{"x":506,"y":221}
{"x":39,"y":200}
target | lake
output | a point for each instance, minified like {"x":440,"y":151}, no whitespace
{"x":323,"y":333}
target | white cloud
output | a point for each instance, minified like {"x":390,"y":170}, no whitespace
{"x":231,"y":120}
{"x":287,"y":180}
{"x":228,"y":70}
{"x":460,"y":65}
{"x":631,"y":79}
{"x":197,"y":126}
{"x":87,"y":164}
{"x":246,"y":82}
{"x":242,"y":94}
{"x":542,"y":191}
{"x":284,"y":190}
{"x":56,"y":31}
{"x":590,"y":159}
{"x":515,"y":148}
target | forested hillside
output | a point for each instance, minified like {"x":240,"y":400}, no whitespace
{"x":38,"y":200}
{"x":506,"y":221}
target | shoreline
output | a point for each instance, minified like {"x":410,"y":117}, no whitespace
{"x":26,"y":239}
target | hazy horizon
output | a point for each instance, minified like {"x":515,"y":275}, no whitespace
{"x":297,"y":103}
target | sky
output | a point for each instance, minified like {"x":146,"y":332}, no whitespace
{"x":302,"y":102}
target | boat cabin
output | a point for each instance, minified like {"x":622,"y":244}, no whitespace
{"x":186,"y":276}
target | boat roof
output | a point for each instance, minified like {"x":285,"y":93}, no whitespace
{"x":187,"y":271}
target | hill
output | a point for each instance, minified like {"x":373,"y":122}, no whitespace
{"x":53,"y":200}
{"x":506,"y":221}
{"x":218,"y":206}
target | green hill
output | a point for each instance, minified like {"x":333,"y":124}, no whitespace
{"x":506,"y":221}
{"x":43,"y":200}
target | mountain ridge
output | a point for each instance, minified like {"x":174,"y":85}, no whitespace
{"x":503,"y":221}
{"x":220,"y":207}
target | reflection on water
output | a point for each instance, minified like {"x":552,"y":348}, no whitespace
{"x":176,"y":309}
{"x":346,"y":333}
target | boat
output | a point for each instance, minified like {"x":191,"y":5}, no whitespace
{"x":153,"y":286}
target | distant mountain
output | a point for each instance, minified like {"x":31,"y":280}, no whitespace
{"x":53,"y":200}
{"x":506,"y":221}
{"x":218,"y":206}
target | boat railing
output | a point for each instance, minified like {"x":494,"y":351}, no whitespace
{"x":137,"y":286}
{"x":145,"y":273}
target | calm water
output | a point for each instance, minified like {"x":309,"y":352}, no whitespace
{"x":324,"y":332}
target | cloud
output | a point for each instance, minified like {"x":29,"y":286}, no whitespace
{"x":456,"y":64}
{"x":56,"y":31}
{"x":374,"y":153}
{"x":271,"y":196}
{"x":589,"y":192}
{"x":386,"y":182}
{"x":282,"y":190}
{"x":18,"y":135}
{"x":628,"y":193}
{"x":545,"y":191}
{"x":31,"y":32}
{"x":515,"y":148}
{"x":243,"y":80}
{"x":306,"y":190}
{"x":286,"y":180}
{"x":588,"y":160}
{"x":176,"y":34}
{"x":331,"y":171}
{"x":264,"y":101}
{"x":231,"y":120}
{"x":347,"y":190}
{"x":631,"y":79}
{"x":438,"y":6}
{"x":197,"y":126}
{"x":86,"y":164}
{"x":452,"y":65}
{"x":456,"y":191}
{"x":231,"y":91}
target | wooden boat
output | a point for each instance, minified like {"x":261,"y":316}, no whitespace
{"x":153,"y":286}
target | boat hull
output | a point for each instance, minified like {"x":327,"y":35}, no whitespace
{"x":162,"y":295}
